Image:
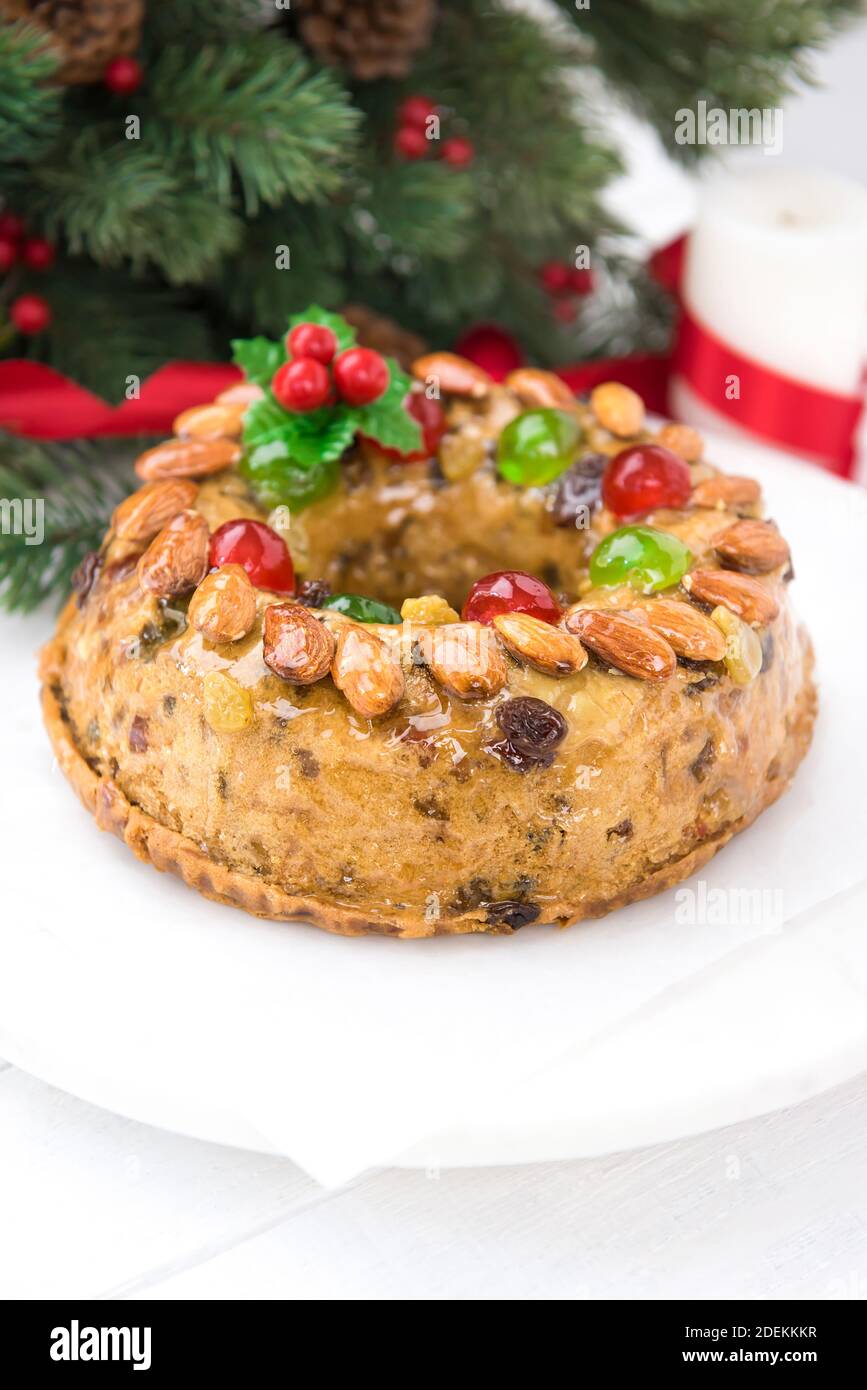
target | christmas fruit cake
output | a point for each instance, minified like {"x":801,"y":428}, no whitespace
{"x":432,"y":655}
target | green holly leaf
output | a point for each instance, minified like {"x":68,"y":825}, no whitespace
{"x":263,"y":420}
{"x":258,"y":358}
{"x":343,"y":331}
{"x":387,"y":420}
{"x":320,"y":436}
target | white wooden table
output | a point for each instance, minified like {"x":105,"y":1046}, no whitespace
{"x":92,"y":1205}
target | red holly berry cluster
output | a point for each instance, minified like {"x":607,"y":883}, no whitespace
{"x":565,"y":284}
{"x":29,"y":313}
{"x":358,"y":376}
{"x":411,"y":137}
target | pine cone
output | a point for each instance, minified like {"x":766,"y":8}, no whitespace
{"x":373,"y":38}
{"x":383,"y":334}
{"x":86,"y":34}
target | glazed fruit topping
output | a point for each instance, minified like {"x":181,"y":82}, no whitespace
{"x":642,"y":556}
{"x":363,"y":610}
{"x":314,"y":592}
{"x":510,"y":591}
{"x":644,"y":477}
{"x":302,"y":385}
{"x":533,"y":730}
{"x":579,"y":490}
{"x":312,"y":340}
{"x":537,"y":446}
{"x":85,"y":576}
{"x":261,"y":552}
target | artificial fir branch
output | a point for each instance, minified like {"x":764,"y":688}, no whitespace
{"x":80,"y":485}
{"x":29,"y":104}
{"x":253,"y":115}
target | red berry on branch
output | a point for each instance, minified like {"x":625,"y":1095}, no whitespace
{"x":302,"y":385}
{"x":312,"y":340}
{"x":458,"y":152}
{"x":30,"y":313}
{"x":361,"y":375}
{"x":410,"y":142}
{"x":123,"y":76}
{"x":431,"y":416}
{"x":260,"y":550}
{"x":581,"y":281}
{"x":11,"y":226}
{"x":565,"y":310}
{"x":510,"y":591}
{"x":643,"y":477}
{"x":416,"y":111}
{"x":555,"y":277}
{"x":38,"y":253}
{"x":8,"y":253}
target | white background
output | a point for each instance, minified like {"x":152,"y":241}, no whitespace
{"x":91,"y":1204}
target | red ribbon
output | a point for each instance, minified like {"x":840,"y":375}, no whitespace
{"x":808,"y":419}
{"x":41,"y":403}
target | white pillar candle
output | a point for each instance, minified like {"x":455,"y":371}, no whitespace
{"x":776,"y":269}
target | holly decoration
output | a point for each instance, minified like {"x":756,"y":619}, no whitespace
{"x":38,"y":253}
{"x":510,"y":591}
{"x":30,"y":313}
{"x":362,"y":609}
{"x":537,"y":446}
{"x":411,"y":143}
{"x":458,"y":151}
{"x":312,"y":340}
{"x":413,"y":140}
{"x":565,"y":284}
{"x":302,"y":385}
{"x":8,"y":253}
{"x":293,"y":447}
{"x":123,"y":76}
{"x":432,"y":418}
{"x":642,"y":556}
{"x":643,"y":477}
{"x":259,"y":549}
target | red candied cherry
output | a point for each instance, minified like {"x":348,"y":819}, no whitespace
{"x":361,"y":375}
{"x":8,"y":253}
{"x":123,"y":76}
{"x":416,"y":111}
{"x":555,"y":277}
{"x":12,"y":226}
{"x":312,"y":340}
{"x":260,"y":550}
{"x":410,"y":142}
{"x":431,"y":416}
{"x":30,"y":313}
{"x":510,"y":591}
{"x":643,"y":477}
{"x":38,"y":253}
{"x":302,"y":385}
{"x":458,"y":152}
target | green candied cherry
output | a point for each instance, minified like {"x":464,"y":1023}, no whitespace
{"x":642,"y":556}
{"x":538,"y":446}
{"x":363,"y":610}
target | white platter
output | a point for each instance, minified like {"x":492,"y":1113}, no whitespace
{"x":127,"y":989}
